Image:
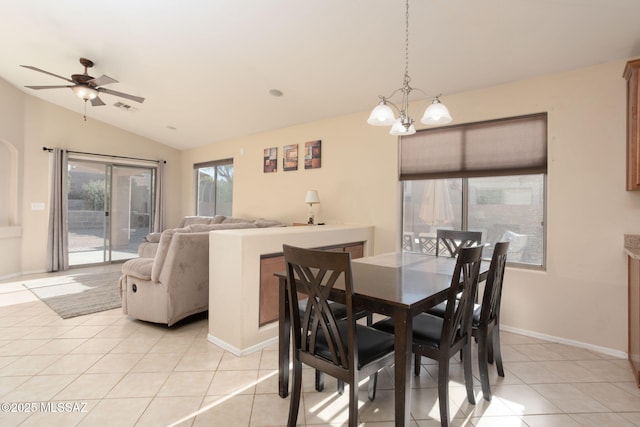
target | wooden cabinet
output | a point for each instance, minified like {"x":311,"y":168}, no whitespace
{"x":632,"y":75}
{"x":274,"y":263}
{"x":634,"y":317}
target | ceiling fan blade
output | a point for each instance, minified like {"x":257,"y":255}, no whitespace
{"x":96,"y":102}
{"x":46,"y":72}
{"x":48,"y":87}
{"x":120,"y":94}
{"x":102,"y":80}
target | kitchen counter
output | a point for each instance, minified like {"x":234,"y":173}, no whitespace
{"x":632,"y":245}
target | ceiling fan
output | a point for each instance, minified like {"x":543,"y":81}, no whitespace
{"x":85,"y":86}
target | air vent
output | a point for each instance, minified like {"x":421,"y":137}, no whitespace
{"x":123,"y":106}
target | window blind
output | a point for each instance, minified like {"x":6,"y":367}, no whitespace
{"x":512,"y":146}
{"x":213,"y":163}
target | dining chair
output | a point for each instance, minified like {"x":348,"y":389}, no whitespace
{"x":340,"y":312}
{"x":486,"y":327}
{"x":452,"y":240}
{"x":343,"y":349}
{"x":440,"y":338}
{"x":486,"y":318}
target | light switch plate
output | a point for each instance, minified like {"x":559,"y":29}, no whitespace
{"x":37,"y":206}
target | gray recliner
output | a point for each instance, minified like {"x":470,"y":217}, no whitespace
{"x":172,"y":285}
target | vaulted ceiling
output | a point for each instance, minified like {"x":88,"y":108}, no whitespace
{"x":206,"y":67}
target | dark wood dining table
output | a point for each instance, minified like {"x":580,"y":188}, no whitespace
{"x":400,"y":285}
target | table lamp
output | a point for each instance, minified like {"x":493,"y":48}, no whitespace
{"x":312,"y":198}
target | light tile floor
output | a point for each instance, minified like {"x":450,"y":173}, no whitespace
{"x":104,"y":369}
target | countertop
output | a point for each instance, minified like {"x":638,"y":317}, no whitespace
{"x":632,"y":245}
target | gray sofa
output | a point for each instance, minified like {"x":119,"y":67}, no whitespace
{"x":170,"y":280}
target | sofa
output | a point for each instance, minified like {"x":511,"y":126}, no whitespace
{"x":170,"y":279}
{"x":149,"y":246}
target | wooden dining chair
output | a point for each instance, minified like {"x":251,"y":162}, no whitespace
{"x":343,"y":349}
{"x":452,"y":240}
{"x":440,"y":338}
{"x":340,"y":312}
{"x":485,"y":327}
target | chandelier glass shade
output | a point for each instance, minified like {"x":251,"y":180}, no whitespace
{"x":383,"y":114}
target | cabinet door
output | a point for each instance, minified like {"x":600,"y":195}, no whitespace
{"x":269,"y":288}
{"x":357,"y":250}
{"x":632,"y":75}
{"x":634,"y":317}
{"x":269,"y":283}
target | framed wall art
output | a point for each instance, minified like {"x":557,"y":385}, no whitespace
{"x":270,"y":159}
{"x":290,"y":157}
{"x":312,"y":154}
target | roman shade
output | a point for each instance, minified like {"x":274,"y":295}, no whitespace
{"x":512,"y":146}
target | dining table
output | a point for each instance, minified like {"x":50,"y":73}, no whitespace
{"x":400,"y":285}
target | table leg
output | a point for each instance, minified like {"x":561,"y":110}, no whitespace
{"x":284,"y":338}
{"x":403,"y":344}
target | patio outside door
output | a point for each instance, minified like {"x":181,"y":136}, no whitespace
{"x":109,"y":211}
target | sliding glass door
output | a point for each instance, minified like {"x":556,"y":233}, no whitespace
{"x":110,"y":210}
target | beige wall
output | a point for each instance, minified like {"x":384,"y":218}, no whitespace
{"x":33,"y":124}
{"x":357,"y":183}
{"x":582,"y":295}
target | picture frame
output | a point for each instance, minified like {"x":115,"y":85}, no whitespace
{"x":270,"y":163}
{"x":313,"y":154}
{"x":290,"y":157}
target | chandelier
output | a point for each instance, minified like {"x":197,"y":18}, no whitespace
{"x":383,"y":114}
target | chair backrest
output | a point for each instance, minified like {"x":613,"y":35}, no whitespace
{"x":454,"y":240}
{"x":458,"y":316}
{"x":493,"y":288}
{"x":315,"y":273}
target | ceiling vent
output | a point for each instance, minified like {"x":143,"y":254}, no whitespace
{"x":125,"y":107}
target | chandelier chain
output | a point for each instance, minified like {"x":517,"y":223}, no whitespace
{"x":406,"y":43}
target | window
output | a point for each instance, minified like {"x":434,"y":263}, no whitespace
{"x":488,"y":177}
{"x":214,"y":187}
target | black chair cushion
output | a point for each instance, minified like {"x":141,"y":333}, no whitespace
{"x":439,"y":310}
{"x":427,"y":329}
{"x":372,"y":343}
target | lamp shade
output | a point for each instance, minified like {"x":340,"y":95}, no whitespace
{"x":398,"y":129}
{"x":436,"y":114}
{"x":84,"y":92}
{"x":381,"y":115}
{"x":312,"y":197}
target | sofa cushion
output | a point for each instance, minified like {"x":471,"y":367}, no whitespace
{"x":138,"y":267}
{"x":233,"y":220}
{"x":213,"y":227}
{"x":217,"y":219}
{"x":152,"y":237}
{"x":261,"y":223}
{"x":189,"y":220}
{"x":161,"y":253}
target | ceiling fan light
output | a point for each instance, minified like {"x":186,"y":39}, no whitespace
{"x":436,"y":114}
{"x":381,"y":115}
{"x":85,"y":92}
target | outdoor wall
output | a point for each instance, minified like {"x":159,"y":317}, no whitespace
{"x":581,"y":297}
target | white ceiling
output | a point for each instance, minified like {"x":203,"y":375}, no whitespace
{"x":206,"y":67}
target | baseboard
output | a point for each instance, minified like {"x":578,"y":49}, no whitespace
{"x":21,"y":273}
{"x":604,"y":350}
{"x":236,"y":351}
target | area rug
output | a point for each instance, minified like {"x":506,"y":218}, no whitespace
{"x":79,"y":293}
